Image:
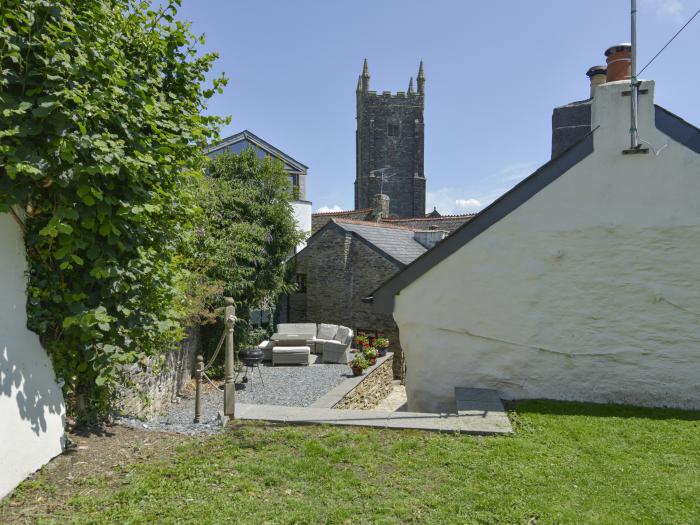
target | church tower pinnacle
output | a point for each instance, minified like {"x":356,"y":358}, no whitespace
{"x":421,"y":79}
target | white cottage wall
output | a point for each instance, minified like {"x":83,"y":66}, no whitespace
{"x":31,"y":403}
{"x":588,"y":291}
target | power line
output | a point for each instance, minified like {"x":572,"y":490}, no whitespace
{"x":667,"y":43}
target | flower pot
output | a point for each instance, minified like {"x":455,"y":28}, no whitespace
{"x":372,"y":361}
{"x":357,"y":371}
{"x":382,"y":352}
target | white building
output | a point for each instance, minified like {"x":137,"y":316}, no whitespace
{"x":297,"y":172}
{"x":580,"y":283}
{"x":32,"y":411}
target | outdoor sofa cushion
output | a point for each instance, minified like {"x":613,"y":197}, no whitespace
{"x":326,"y":332}
{"x":266,"y":347}
{"x":307,"y":329}
{"x":344,"y":335}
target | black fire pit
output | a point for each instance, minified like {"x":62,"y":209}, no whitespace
{"x":251,"y":358}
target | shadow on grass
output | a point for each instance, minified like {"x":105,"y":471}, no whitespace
{"x":572,"y":408}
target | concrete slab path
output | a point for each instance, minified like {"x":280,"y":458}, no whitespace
{"x":472,"y":416}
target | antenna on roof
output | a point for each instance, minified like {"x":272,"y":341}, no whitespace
{"x":634,"y":83}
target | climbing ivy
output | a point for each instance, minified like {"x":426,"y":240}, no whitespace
{"x":101,"y":104}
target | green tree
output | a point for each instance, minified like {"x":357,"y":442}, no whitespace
{"x":246,"y":231}
{"x":102,"y":105}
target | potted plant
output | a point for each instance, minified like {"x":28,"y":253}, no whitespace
{"x":358,"y":365}
{"x":382,"y":344}
{"x":361,"y":340}
{"x":371,"y":355}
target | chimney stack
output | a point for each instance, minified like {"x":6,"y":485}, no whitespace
{"x":619,"y":62}
{"x":429,"y":238}
{"x":380,"y":207}
{"x":598,"y":76}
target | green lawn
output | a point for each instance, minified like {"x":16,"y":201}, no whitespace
{"x":567,"y":463}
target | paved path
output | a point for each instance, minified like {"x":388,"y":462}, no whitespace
{"x":395,"y":401}
{"x":478,"y":412}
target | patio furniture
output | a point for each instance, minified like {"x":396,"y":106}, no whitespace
{"x":298,"y":332}
{"x":290,"y":355}
{"x":267,"y":346}
{"x":337,"y":350}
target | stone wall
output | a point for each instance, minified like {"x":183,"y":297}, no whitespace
{"x":373,"y":388}
{"x":150,"y":386}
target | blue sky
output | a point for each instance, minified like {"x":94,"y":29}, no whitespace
{"x":495,"y":70}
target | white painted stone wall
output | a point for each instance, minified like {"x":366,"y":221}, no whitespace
{"x":31,"y":403}
{"x":302,"y":216}
{"x":588,"y":291}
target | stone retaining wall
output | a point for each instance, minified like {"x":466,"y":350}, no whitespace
{"x":374,"y":387}
{"x":155,"y":383}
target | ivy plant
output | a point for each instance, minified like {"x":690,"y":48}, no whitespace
{"x":102,"y":106}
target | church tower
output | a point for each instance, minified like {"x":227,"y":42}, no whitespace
{"x":389,"y":147}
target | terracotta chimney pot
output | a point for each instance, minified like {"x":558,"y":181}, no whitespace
{"x":619,"y":62}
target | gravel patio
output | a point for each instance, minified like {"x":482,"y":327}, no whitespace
{"x":293,"y":385}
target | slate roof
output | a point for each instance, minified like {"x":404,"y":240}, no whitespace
{"x":262,"y":144}
{"x":398,"y":243}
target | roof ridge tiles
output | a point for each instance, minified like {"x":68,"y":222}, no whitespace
{"x":406,"y":219}
{"x":341,"y":212}
{"x":372,"y":223}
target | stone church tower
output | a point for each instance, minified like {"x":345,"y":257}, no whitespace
{"x":389,"y":147}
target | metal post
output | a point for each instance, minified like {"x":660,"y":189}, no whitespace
{"x":198,"y":371}
{"x":229,"y":381}
{"x":634,"y":85}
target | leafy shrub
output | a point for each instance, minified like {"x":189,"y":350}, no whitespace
{"x":101,"y":103}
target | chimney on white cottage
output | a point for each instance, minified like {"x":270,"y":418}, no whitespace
{"x":619,"y":60}
{"x":598,"y":75}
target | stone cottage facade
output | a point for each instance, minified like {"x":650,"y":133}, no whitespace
{"x":341,"y":265}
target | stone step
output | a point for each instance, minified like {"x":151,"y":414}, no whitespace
{"x":467,"y":423}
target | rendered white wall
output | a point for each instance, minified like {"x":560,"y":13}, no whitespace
{"x":302,"y":216}
{"x":31,"y":403}
{"x":588,"y":291}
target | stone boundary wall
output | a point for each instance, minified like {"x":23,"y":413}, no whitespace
{"x":154,"y":385}
{"x":374,"y":387}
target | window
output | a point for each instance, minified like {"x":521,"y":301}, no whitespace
{"x":294,"y":182}
{"x":393,"y":130}
{"x":301,"y":283}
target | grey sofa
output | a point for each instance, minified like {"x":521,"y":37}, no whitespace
{"x":331,"y":340}
{"x":335,"y":342}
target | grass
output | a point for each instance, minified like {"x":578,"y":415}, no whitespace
{"x":567,"y":463}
